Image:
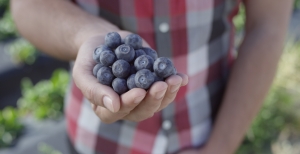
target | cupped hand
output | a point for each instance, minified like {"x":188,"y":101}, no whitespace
{"x":135,"y":105}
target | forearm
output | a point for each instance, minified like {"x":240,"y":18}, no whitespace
{"x":56,"y":27}
{"x":248,"y":85}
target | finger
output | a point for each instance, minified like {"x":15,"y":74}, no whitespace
{"x":129,"y":101}
{"x":97,"y":93}
{"x":185,"y":79}
{"x":174,"y":82}
{"x":150,"y":103}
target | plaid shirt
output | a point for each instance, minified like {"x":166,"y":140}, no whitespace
{"x":198,"y":36}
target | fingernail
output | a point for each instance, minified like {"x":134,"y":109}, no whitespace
{"x":108,"y":103}
{"x":138,"y":99}
{"x":160,"y":94}
{"x":175,"y":88}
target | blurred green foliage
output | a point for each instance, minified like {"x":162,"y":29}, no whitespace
{"x":10,"y":126}
{"x":22,"y":51}
{"x":297,"y":4}
{"x":47,"y":149}
{"x":7,"y":26}
{"x":281,"y":107}
{"x":239,"y":19}
{"x":45,"y":99}
{"x":4,"y":4}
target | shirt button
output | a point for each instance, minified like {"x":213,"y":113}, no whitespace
{"x":164,"y":27}
{"x":167,"y":125}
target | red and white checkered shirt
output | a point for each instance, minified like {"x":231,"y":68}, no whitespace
{"x":198,"y":36}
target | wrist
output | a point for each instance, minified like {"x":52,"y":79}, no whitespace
{"x":90,"y":31}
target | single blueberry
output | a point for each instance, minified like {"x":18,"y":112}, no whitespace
{"x":163,"y":67}
{"x":119,"y":85}
{"x":107,"y":57}
{"x":144,"y":62}
{"x":139,"y":52}
{"x":175,"y":70}
{"x":97,"y":51}
{"x":152,"y":53}
{"x":133,"y":40}
{"x":131,"y":82}
{"x":113,"y":39}
{"x":105,"y":76}
{"x":125,"y":52}
{"x":96,"y":69}
{"x":144,"y":79}
{"x":121,"y":68}
{"x":156,"y":78}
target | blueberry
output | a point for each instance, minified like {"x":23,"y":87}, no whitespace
{"x":113,"y":40}
{"x":131,"y":82}
{"x":144,"y":62}
{"x":105,"y":76}
{"x":144,"y":79}
{"x":139,"y":52}
{"x":152,"y":53}
{"x":133,"y":40}
{"x":121,"y":68}
{"x":119,"y":85}
{"x":163,"y":67}
{"x":175,"y":70}
{"x":97,"y":51}
{"x":156,"y":78}
{"x":107,"y":57}
{"x":125,"y":52}
{"x":96,"y":69}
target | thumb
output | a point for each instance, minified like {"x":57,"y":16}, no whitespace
{"x":95,"y":92}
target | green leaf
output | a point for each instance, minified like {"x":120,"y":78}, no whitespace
{"x":22,"y":51}
{"x":7,"y":26}
{"x":46,"y":98}
{"x":10,"y":126}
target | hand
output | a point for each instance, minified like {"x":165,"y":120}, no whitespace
{"x":135,"y":105}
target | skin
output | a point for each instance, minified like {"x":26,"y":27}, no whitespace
{"x":252,"y":74}
{"x":69,"y":32}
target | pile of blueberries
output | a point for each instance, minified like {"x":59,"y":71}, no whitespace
{"x":125,"y":64}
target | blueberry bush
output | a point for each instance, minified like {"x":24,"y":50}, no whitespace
{"x":7,"y":26}
{"x":22,"y":51}
{"x":10,"y":126}
{"x":45,"y":99}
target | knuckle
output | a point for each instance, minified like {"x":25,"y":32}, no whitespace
{"x":90,"y":93}
{"x":142,"y":118}
{"x":170,"y":98}
{"x":134,"y":119}
{"x":106,"y":120}
{"x":161,"y":107}
{"x":150,"y":116}
{"x":124,"y":113}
